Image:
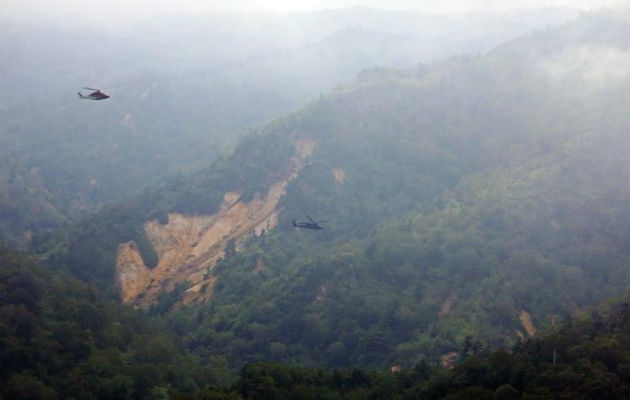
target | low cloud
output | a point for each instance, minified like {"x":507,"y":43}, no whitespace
{"x":596,"y":66}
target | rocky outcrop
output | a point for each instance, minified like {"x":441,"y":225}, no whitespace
{"x":188,"y":247}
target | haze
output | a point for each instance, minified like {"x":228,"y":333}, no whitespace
{"x":110,"y":13}
{"x":382,"y":190}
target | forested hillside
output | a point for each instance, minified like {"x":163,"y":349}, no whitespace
{"x":182,"y":96}
{"x":584,"y":359}
{"x":61,"y":338}
{"x":476,"y":198}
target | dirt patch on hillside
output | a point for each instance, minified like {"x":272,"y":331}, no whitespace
{"x":305,"y":147}
{"x":528,"y":324}
{"x":200,"y":293}
{"x":188,"y":247}
{"x":339,"y":174}
{"x":132,"y":276}
{"x":448,"y":360}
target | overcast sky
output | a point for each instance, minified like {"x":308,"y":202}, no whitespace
{"x":116,"y":11}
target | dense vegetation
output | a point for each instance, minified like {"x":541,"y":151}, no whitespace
{"x":584,"y":359}
{"x":61,"y":338}
{"x":480,"y":198}
{"x":478,"y":191}
{"x":177,"y":110}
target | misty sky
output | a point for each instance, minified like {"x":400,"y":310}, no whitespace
{"x":117,"y":11}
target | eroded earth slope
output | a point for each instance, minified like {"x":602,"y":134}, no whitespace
{"x":189,"y":246}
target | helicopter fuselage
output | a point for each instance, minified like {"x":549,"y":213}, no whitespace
{"x":98,"y":95}
{"x":307,"y":225}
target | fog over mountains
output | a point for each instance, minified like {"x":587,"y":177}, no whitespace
{"x":187,"y":88}
{"x":486,"y":181}
{"x":472,"y":172}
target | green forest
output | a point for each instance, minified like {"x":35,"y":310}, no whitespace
{"x":60,"y":338}
{"x":475,"y":239}
{"x":582,"y":359}
{"x":470,"y":197}
{"x":181,"y":102}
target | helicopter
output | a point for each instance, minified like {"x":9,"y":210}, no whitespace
{"x":95,"y":95}
{"x":309,"y":225}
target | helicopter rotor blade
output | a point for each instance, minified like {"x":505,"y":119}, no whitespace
{"x":310,"y":219}
{"x":88,"y":88}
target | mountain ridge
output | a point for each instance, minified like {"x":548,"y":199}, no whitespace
{"x":177,"y":111}
{"x":486,"y":177}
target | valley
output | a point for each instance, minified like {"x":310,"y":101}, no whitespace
{"x":461,"y":203}
{"x":472,"y":197}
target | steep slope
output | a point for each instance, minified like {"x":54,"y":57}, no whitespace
{"x":27,"y":208}
{"x":61,"y":338}
{"x":188,"y":247}
{"x":489,"y":180}
{"x":177,"y":110}
{"x":585,"y":359}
